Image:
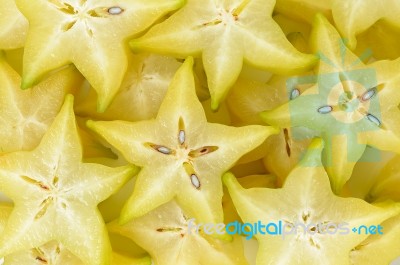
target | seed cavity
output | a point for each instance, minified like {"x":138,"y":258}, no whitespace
{"x":195,"y":181}
{"x":212,"y":23}
{"x":63,"y":7}
{"x":305,"y":216}
{"x":164,"y":150}
{"x":181,"y":137}
{"x":294,"y":94}
{"x":313,"y":243}
{"x":287,"y":138}
{"x":55,"y":181}
{"x":325,"y":109}
{"x":58,"y":249}
{"x":35,"y":182}
{"x":368,"y":95}
{"x":202,"y":151}
{"x":192,"y":174}
{"x":66,"y":27}
{"x":181,"y":131}
{"x":160,"y":148}
{"x":41,"y":260}
{"x":169,"y":229}
{"x":44,"y":206}
{"x":374,"y":120}
{"x":115,"y":10}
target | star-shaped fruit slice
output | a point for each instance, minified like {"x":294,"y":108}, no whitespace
{"x":25,"y":115}
{"x":56,"y":195}
{"x":310,"y":225}
{"x":180,"y":239}
{"x":351,"y":105}
{"x":54,"y":253}
{"x":379,"y":249}
{"x":226,"y":34}
{"x":388,"y":36}
{"x":354,"y":17}
{"x":90,"y":34}
{"x":304,"y":10}
{"x":181,"y":155}
{"x":141,"y":92}
{"x":13,"y":26}
{"x":387,"y":182}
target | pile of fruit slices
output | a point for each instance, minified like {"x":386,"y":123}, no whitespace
{"x":131,"y":128}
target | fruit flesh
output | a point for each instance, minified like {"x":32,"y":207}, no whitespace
{"x":182,"y":154}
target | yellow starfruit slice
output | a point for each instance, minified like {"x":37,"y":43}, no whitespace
{"x":226,"y":34}
{"x":56,"y":195}
{"x":307,"y":223}
{"x":140,"y":94}
{"x":304,"y":10}
{"x":13,"y":26}
{"x":251,"y":181}
{"x":388,"y":36}
{"x":354,"y":17}
{"x":387,"y":183}
{"x":26,"y":115}
{"x":54,"y":253}
{"x":181,"y":155}
{"x":379,"y":249}
{"x":173,"y":238}
{"x":90,"y":34}
{"x":351,"y":105}
{"x":367,"y":175}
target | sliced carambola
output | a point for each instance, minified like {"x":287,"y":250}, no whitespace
{"x":174,"y":238}
{"x":141,"y":93}
{"x":181,"y":155}
{"x":351,"y":104}
{"x":387,"y":183}
{"x":56,"y":195}
{"x":384,"y":49}
{"x":92,"y":148}
{"x":354,"y":17}
{"x":317,"y":224}
{"x":379,"y":249}
{"x":54,"y":253}
{"x":367,"y":175}
{"x":90,"y":34}
{"x":226,"y":34}
{"x":304,"y":10}
{"x":26,"y":115}
{"x":5,"y":211}
{"x":251,"y":181}
{"x":13,"y":26}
